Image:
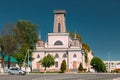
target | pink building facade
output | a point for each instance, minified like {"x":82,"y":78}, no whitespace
{"x":61,"y":46}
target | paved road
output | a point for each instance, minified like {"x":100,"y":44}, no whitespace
{"x":61,"y":77}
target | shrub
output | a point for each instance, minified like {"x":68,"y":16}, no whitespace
{"x":63,"y":66}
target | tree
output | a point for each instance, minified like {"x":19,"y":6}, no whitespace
{"x":63,"y":66}
{"x":85,"y":46}
{"x":8,"y":42}
{"x":27,"y":36}
{"x":80,"y":68}
{"x":98,"y":64}
{"x":86,"y":49}
{"x":9,"y":46}
{"x":47,"y":61}
{"x":1,"y":50}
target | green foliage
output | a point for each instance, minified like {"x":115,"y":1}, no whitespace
{"x":20,"y":58}
{"x":26,"y":33}
{"x":85,"y":46}
{"x":86,"y":49}
{"x":18,"y":39}
{"x":9,"y":45}
{"x":80,"y":68}
{"x":98,"y":64}
{"x":63,"y":66}
{"x":86,"y":57}
{"x":27,"y":36}
{"x":47,"y":61}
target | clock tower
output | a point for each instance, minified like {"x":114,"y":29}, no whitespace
{"x":59,"y":21}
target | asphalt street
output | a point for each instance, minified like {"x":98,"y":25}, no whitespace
{"x":65,"y":76}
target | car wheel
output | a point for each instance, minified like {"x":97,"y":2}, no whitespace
{"x":20,"y":73}
{"x":9,"y":73}
{"x":24,"y":73}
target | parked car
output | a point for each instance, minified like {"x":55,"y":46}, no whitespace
{"x":16,"y":70}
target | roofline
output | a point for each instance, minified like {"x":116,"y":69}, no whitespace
{"x":59,"y":12}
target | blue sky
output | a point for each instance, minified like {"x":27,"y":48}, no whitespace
{"x":97,"y":21}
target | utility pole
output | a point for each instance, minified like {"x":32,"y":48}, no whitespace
{"x":28,"y":61}
{"x":82,"y":57}
{"x":45,"y":64}
{"x":108,"y":62}
{"x":67,"y":60}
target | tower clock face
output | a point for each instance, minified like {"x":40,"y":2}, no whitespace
{"x":58,"y":17}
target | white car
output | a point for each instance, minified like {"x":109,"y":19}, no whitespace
{"x":16,"y":70}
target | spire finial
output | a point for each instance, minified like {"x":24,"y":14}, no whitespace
{"x":75,"y":35}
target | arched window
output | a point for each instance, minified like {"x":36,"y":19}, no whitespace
{"x":38,"y":56}
{"x":56,"y":64}
{"x":56,"y":56}
{"x":64,"y":55}
{"x":118,"y":63}
{"x":106,"y":64}
{"x":111,"y":63}
{"x":59,"y":27}
{"x":74,"y":55}
{"x":58,"y":43}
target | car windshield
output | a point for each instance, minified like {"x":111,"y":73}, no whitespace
{"x":14,"y":69}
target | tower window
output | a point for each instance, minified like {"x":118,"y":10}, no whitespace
{"x":59,"y":27}
{"x":118,"y":64}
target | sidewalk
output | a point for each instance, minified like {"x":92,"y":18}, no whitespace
{"x":3,"y":73}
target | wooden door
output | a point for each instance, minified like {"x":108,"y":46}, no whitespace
{"x":74,"y":65}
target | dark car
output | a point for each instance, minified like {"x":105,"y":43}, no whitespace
{"x":16,"y":70}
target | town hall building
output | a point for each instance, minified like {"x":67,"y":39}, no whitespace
{"x":61,"y":46}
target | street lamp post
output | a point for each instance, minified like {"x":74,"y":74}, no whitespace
{"x":82,"y":57}
{"x":45,"y":64}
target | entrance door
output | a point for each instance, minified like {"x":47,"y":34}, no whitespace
{"x":74,"y":65}
{"x":38,"y":65}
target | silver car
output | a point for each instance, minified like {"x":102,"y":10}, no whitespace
{"x":16,"y":70}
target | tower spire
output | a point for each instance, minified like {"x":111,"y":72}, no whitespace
{"x":39,"y":35}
